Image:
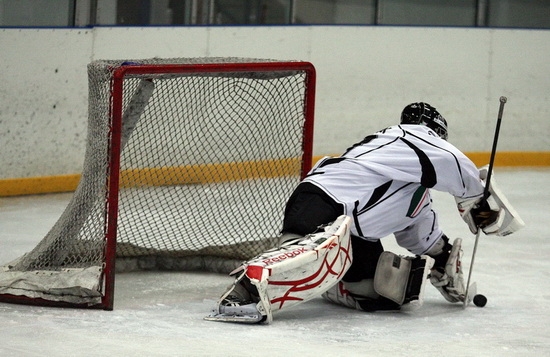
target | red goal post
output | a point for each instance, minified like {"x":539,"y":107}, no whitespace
{"x":188,"y":164}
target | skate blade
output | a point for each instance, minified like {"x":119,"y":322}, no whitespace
{"x":244,"y":319}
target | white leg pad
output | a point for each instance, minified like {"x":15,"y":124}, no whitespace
{"x":338,"y":294}
{"x":402,"y":279}
{"x":299,"y":270}
{"x":392,"y":276}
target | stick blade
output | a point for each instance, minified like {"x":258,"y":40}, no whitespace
{"x":470,"y":293}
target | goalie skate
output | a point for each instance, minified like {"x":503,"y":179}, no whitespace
{"x":248,"y":314}
{"x":238,"y":305}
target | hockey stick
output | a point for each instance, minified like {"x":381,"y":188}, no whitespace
{"x":485,"y":192}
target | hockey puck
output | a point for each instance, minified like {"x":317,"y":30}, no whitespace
{"x":480,"y":300}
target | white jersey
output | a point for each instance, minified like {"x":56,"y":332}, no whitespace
{"x":383,"y":183}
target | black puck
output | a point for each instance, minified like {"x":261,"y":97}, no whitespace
{"x":480,"y":300}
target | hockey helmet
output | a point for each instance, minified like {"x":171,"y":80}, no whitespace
{"x":424,"y":114}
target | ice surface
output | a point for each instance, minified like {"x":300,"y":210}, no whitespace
{"x":161,"y":313}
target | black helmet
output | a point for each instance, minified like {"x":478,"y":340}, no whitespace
{"x":425,"y":114}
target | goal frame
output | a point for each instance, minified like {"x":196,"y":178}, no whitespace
{"x":115,"y":143}
{"x":116,"y":149}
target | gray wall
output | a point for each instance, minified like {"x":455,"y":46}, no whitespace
{"x":365,"y":75}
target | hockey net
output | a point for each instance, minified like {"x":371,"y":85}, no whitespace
{"x":188,"y":165}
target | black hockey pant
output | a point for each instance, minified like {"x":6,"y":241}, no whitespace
{"x":309,"y":207}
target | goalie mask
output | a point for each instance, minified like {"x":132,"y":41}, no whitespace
{"x":425,"y":114}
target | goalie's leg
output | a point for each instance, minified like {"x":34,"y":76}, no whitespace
{"x":299,"y":270}
{"x":398,"y":283}
{"x":356,"y":290}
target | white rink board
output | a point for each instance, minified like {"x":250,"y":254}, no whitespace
{"x":365,"y":75}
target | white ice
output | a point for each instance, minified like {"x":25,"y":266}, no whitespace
{"x":161,"y":313}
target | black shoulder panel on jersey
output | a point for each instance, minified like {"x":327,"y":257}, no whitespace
{"x":366,"y":140}
{"x":429,"y":176}
{"x":377,"y":194}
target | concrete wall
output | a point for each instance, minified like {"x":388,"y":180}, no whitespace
{"x":365,"y":75}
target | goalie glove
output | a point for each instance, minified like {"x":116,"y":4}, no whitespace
{"x":479,"y":213}
{"x":494,"y":215}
